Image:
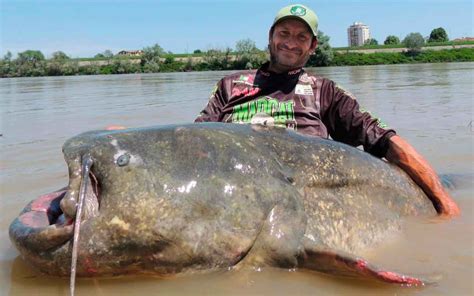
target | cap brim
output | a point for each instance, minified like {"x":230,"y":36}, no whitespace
{"x":315,"y":34}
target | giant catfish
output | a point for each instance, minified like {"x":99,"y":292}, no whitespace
{"x":203,"y":197}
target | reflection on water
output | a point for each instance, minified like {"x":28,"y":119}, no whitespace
{"x":431,"y":105}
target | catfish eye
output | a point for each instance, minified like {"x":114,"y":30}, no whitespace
{"x":123,"y":159}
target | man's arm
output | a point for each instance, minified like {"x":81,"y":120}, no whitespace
{"x":213,"y":110}
{"x":401,"y":153}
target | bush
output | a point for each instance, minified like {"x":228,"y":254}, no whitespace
{"x":438,"y":35}
{"x":391,"y":39}
{"x":414,"y":42}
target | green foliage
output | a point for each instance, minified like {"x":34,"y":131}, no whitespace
{"x":152,"y":53}
{"x":428,"y":56}
{"x":197,"y":51}
{"x":30,"y":56}
{"x":247,"y":55}
{"x":355,"y":59}
{"x":29,"y":63}
{"x":108,"y":54}
{"x":371,"y":41}
{"x":438,"y":35}
{"x":150,"y":59}
{"x":245,"y":46}
{"x":89,"y":70}
{"x":217,"y":59}
{"x":151,"y":67}
{"x":7,"y":57}
{"x":414,"y":42}
{"x":61,"y":67}
{"x":401,"y":45}
{"x":391,"y":39}
{"x":169,"y":59}
{"x":59,"y":56}
{"x":32,"y":63}
{"x":324,"y":54}
{"x":6,"y":65}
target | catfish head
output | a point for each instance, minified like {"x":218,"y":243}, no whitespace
{"x":157,"y":201}
{"x":122,"y":191}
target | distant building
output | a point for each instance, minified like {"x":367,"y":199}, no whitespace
{"x":357,"y":34}
{"x":464,"y":39}
{"x":130,"y":53}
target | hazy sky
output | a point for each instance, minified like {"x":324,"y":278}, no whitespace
{"x":84,"y":28}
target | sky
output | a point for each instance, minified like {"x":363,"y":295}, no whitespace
{"x":85,"y":28}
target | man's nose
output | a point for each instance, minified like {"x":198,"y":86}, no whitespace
{"x":291,"y":42}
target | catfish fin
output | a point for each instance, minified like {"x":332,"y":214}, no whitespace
{"x":344,"y":264}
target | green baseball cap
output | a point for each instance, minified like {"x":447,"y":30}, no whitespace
{"x":301,"y":12}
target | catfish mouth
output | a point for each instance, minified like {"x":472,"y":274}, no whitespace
{"x":43,"y":225}
{"x":56,"y":216}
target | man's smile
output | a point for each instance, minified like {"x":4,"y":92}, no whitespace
{"x":284,"y":49}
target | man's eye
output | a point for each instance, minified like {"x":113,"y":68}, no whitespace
{"x":302,"y":38}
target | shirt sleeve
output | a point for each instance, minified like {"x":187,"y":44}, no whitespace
{"x":348,"y":124}
{"x":213,"y":110}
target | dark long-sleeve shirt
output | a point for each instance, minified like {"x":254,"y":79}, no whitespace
{"x":309,"y":104}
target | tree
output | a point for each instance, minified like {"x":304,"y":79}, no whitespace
{"x":99,"y":56}
{"x":7,"y":57}
{"x":245,"y":46}
{"x":391,"y":39}
{"x":414,"y":42}
{"x":30,"y":56}
{"x":197,"y":51}
{"x":59,"y":65}
{"x":59,"y":56}
{"x":30,"y":63}
{"x":371,"y":41}
{"x":246,"y":52}
{"x":153,"y":52}
{"x":217,"y":59}
{"x":6,"y":65}
{"x":323,"y":54}
{"x":108,"y":54}
{"x":438,"y":35}
{"x":150,"y":59}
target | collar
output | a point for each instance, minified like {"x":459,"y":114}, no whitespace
{"x":286,"y":75}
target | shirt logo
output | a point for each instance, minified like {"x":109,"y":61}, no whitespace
{"x":245,"y":79}
{"x":298,"y":10}
{"x":246,"y":92}
{"x":265,"y":111}
{"x":304,"y":89}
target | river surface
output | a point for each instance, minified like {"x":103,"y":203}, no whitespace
{"x":431,"y":105}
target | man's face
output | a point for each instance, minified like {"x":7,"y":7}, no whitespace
{"x":291,"y":44}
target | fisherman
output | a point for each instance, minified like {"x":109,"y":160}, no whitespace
{"x":282,"y":93}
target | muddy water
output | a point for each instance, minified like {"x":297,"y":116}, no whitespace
{"x":431,"y":105}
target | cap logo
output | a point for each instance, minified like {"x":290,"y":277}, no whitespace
{"x":298,"y":10}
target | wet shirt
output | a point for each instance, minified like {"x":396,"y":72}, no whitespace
{"x":308,"y":104}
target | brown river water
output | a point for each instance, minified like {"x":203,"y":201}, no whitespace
{"x":431,"y":105}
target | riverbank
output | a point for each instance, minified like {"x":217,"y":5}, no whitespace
{"x":229,"y":61}
{"x":403,"y":57}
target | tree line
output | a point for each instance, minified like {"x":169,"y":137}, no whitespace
{"x":153,"y":59}
{"x":245,"y":56}
{"x":436,"y":35}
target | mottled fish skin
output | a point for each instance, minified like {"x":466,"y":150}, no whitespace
{"x":202,"y":197}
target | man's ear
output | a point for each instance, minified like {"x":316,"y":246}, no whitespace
{"x":314,"y":44}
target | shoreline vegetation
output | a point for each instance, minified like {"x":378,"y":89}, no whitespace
{"x":155,"y":59}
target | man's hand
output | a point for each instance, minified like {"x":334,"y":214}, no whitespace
{"x":405,"y":156}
